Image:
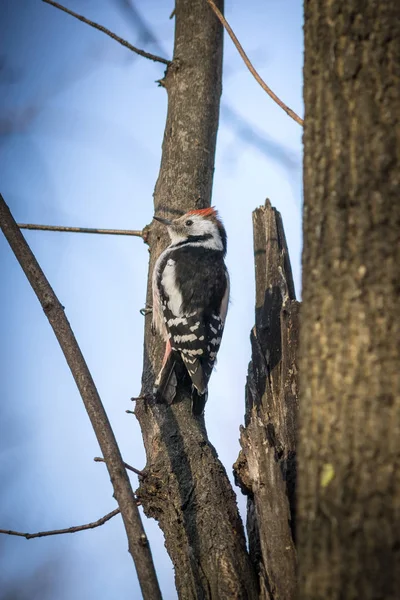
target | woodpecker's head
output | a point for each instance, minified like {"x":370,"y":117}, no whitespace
{"x":197,"y":228}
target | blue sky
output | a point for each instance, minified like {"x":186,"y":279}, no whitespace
{"x":81,"y":126}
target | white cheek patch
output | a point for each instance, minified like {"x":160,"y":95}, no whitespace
{"x":211,"y":244}
{"x":203,"y":226}
{"x":174,"y":236}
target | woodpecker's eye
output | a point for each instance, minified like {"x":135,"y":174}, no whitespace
{"x":189,"y":223}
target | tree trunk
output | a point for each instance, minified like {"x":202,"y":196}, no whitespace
{"x":266,"y":467}
{"x":186,"y":488}
{"x":349,"y":465}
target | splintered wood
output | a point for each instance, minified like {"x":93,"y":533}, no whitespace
{"x":266,"y":466}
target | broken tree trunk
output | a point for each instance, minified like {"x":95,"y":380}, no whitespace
{"x":186,"y":488}
{"x":266,"y":466}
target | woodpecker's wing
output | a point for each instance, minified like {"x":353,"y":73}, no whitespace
{"x":197,"y":337}
{"x":194,"y":292}
{"x":187,"y":334}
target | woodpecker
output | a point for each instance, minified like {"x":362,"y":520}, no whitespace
{"x":190,"y":301}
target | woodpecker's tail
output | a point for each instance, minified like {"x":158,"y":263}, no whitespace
{"x":167,"y":381}
{"x":198,"y":402}
{"x":196,"y":372}
{"x":199,"y":373}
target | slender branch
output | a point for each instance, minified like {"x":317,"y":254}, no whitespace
{"x":112,"y":35}
{"x":249,"y":65}
{"x":30,"y":536}
{"x":123,"y":493}
{"x":140,"y":473}
{"x":34,"y":227}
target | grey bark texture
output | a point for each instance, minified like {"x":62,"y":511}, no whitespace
{"x":266,"y":467}
{"x":123,"y":493}
{"x":186,"y":487}
{"x":349,"y":463}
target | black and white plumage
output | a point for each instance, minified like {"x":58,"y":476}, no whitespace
{"x":190,"y":301}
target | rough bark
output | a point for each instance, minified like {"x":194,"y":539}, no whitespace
{"x":54,"y":311}
{"x":186,"y":488}
{"x":349,"y":464}
{"x":266,"y":467}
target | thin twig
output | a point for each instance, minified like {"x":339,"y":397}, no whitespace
{"x":123,"y":492}
{"x":110,"y":34}
{"x":249,"y":65}
{"x":140,"y":473}
{"x":30,"y":536}
{"x":34,"y":227}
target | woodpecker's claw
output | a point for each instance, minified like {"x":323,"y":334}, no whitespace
{"x":147,"y":310}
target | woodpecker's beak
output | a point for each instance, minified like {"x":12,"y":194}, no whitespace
{"x":166,"y":222}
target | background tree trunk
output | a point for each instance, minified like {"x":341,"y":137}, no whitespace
{"x":186,"y":488}
{"x":349,"y":465}
{"x":266,"y":467}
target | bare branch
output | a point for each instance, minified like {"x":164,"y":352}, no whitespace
{"x":30,"y":536}
{"x":34,"y":227}
{"x":123,"y":493}
{"x":249,"y":65}
{"x":112,"y":35}
{"x":140,"y":473}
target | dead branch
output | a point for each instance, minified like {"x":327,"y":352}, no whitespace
{"x":140,"y":473}
{"x":249,"y":65}
{"x":35,"y":227}
{"x":30,"y":536}
{"x":112,"y":35}
{"x":266,"y":467}
{"x":123,"y":493}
